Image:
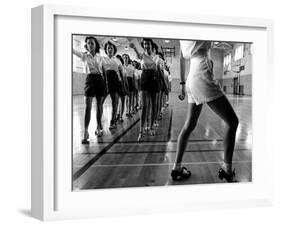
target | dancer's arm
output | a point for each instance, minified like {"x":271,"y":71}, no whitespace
{"x":139,"y":54}
{"x":182,"y":74}
{"x":78,"y":54}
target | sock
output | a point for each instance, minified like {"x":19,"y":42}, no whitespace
{"x":227,"y":167}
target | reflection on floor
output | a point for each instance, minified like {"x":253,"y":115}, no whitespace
{"x":117,"y":160}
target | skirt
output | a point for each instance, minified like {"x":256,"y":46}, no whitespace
{"x":131,"y":84}
{"x":94,"y":86}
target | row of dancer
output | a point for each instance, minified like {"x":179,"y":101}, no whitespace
{"x":131,"y":84}
{"x":122,"y":79}
{"x":154,"y":86}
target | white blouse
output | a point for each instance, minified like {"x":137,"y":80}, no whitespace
{"x":92,"y":63}
{"x":149,"y":62}
{"x":112,"y":63}
{"x":130,"y":70}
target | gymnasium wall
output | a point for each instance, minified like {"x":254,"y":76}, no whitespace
{"x":217,"y":57}
{"x":245,"y":81}
{"x":78,"y":83}
{"x":245,"y":75}
{"x":225,"y":80}
{"x":174,"y":63}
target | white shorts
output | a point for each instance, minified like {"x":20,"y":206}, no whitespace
{"x":200,"y":85}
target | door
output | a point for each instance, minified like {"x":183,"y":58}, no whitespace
{"x":235,"y":86}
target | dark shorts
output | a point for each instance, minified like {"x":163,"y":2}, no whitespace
{"x":113,"y":81}
{"x":165,"y":87}
{"x":161,"y":83}
{"x":122,"y":93}
{"x":131,"y":84}
{"x":94,"y":86}
{"x":150,"y":81}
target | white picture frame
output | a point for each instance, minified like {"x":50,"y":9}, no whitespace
{"x":52,"y":197}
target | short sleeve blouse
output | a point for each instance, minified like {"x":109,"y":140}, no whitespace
{"x":130,"y":70}
{"x":92,"y":63}
{"x":149,"y":62}
{"x":112,"y":63}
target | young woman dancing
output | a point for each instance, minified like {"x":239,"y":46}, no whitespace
{"x":130,"y":70}
{"x":201,"y":88}
{"x":149,"y":84}
{"x":112,"y":68}
{"x":95,"y":85}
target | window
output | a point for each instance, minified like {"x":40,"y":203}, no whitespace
{"x":169,"y":53}
{"x":227,"y":61}
{"x":239,"y":52}
{"x":78,"y":65}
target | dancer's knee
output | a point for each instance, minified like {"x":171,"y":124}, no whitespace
{"x":234,"y":122}
{"x":189,"y":127}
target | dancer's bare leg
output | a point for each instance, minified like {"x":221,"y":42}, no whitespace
{"x":193,"y":113}
{"x":87,"y":115}
{"x":224,"y":110}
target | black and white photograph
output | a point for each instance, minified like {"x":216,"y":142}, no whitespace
{"x":160,"y":112}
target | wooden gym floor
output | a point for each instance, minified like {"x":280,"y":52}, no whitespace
{"x":117,"y":160}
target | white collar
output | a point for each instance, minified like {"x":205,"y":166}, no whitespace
{"x":109,"y":57}
{"x":88,"y":53}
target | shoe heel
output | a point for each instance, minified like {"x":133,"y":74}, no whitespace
{"x":221,"y":174}
{"x":180,"y":175}
{"x":228,"y":177}
{"x":174,"y":175}
{"x":85,"y":141}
